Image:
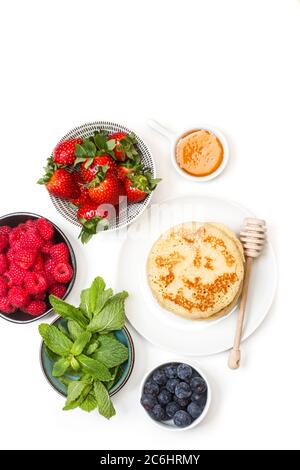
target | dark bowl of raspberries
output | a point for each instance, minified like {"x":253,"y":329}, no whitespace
{"x":175,"y":395}
{"x":36,"y":260}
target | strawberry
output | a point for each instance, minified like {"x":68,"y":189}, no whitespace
{"x":106,"y":190}
{"x":58,"y":290}
{"x":64,"y":152}
{"x":18,"y":297}
{"x":3,"y":263}
{"x":62,"y":273}
{"x":45,"y":228}
{"x":124,"y":145}
{"x":5,"y":306}
{"x":139,"y":186}
{"x":59,"y":182}
{"x":89,"y":215}
{"x":3,"y":287}
{"x":60,"y":253}
{"x":35,"y":308}
{"x":25,"y":258}
{"x":35,"y":283}
{"x":15,"y":275}
{"x":90,"y":169}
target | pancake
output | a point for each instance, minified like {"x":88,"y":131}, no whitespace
{"x":196,"y":270}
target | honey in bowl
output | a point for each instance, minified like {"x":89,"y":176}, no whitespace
{"x":199,"y":152}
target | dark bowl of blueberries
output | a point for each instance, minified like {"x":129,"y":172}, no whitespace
{"x":175,"y":395}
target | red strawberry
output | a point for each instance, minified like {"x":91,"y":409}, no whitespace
{"x":3,"y":287}
{"x":88,"y":172}
{"x":3,"y":263}
{"x":139,"y":186}
{"x":25,"y":258}
{"x":83,"y":197}
{"x":90,"y":215}
{"x":124,"y":147}
{"x":5,"y":229}
{"x":35,"y":308}
{"x":63,"y":273}
{"x":60,"y":253}
{"x":106,"y":191}
{"x":3,"y":241}
{"x":18,"y":297}
{"x":60,"y":183}
{"x":5,"y":306}
{"x":35,"y":283}
{"x":58,"y":290}
{"x":15,"y":276}
{"x":64,"y":152}
{"x":45,"y":228}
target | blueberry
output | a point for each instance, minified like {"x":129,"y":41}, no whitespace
{"x":183,"y":390}
{"x":159,"y":377}
{"x":171,"y":384}
{"x":158,"y":413}
{"x":171,"y":371}
{"x":151,"y":388}
{"x":164,"y":397}
{"x":199,"y":398}
{"x":182,"y":419}
{"x":198,"y":385}
{"x":184,"y":371}
{"x":182,"y":402}
{"x":194,"y":410}
{"x":171,"y":408}
{"x":148,"y":401}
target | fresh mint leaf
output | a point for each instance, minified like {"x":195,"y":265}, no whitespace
{"x":111,"y":317}
{"x":67,"y":311}
{"x":90,"y":403}
{"x":60,"y":367}
{"x":111,"y":352}
{"x":114,"y":372}
{"x":98,"y":296}
{"x":81,"y":343}
{"x":54,"y":357}
{"x":74,"y":364}
{"x":65,"y":380}
{"x":95,"y":368}
{"x":92,"y":347}
{"x":78,"y":390}
{"x":61,"y":327}
{"x":55,"y":339}
{"x":105,"y":406}
{"x":84,"y":303}
{"x":74,"y":329}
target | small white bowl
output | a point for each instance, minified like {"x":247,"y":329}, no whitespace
{"x":174,"y":138}
{"x":169,"y":425}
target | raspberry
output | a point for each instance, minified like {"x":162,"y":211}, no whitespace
{"x":30,"y":224}
{"x":38,"y":265}
{"x":3,"y":287}
{"x":5,"y":229}
{"x":49,"y":267}
{"x":10,"y":254}
{"x":36,"y":308}
{"x":5,"y":306}
{"x":18,"y":297}
{"x":15,"y":235}
{"x":58,"y":290}
{"x":63,"y":273}
{"x":15,"y":276}
{"x":3,"y":263}
{"x":25,"y":258}
{"x":40,"y":296}
{"x":30,"y":240}
{"x":47,"y":247}
{"x":35,"y":283}
{"x":3,"y":241}
{"x":45,"y":229}
{"x":60,"y":253}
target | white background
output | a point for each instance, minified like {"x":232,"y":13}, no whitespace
{"x":232,"y":64}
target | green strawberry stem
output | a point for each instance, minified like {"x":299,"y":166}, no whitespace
{"x":89,"y":228}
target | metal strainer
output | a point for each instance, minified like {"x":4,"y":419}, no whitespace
{"x":124,"y":217}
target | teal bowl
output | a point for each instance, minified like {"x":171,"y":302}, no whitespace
{"x":47,"y":363}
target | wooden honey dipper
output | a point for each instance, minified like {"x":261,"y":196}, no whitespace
{"x":253,"y":236}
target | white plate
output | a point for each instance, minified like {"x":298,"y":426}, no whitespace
{"x":163,"y":328}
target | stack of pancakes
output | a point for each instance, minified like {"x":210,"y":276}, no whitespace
{"x":196,"y":270}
